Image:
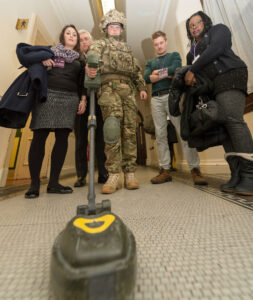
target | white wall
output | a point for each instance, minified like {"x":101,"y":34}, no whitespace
{"x":249,"y":120}
{"x":179,"y":12}
{"x":10,"y":37}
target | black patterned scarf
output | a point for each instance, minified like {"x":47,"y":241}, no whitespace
{"x":68,"y":55}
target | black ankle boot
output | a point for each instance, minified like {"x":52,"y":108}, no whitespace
{"x":102,"y":178}
{"x":59,"y":189}
{"x":245,"y":185}
{"x":32,"y":193}
{"x":34,"y":190}
{"x":81,"y":181}
{"x":229,"y":187}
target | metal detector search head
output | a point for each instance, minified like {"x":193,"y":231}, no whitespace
{"x":94,"y":258}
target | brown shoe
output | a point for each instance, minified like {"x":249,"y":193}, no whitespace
{"x":131,"y":182}
{"x":112,"y":184}
{"x":197,"y":177}
{"x":163,"y":176}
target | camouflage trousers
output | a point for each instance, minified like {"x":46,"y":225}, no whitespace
{"x":117,"y":99}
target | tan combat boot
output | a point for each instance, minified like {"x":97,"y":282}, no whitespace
{"x":131,"y":183}
{"x":112,"y":184}
{"x":162,"y":177}
{"x":197,"y":177}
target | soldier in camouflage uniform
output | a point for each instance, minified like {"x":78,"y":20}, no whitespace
{"x":120,"y":77}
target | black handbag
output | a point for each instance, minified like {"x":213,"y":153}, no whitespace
{"x":174,"y":99}
{"x":204,"y":117}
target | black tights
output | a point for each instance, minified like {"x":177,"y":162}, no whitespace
{"x":37,"y":152}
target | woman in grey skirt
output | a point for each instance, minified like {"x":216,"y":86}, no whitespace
{"x":57,"y":113}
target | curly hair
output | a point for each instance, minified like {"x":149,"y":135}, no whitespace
{"x":206,"y":20}
{"x":62,"y":41}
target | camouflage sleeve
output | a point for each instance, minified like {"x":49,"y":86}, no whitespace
{"x":138,"y":79}
{"x":96,"y":48}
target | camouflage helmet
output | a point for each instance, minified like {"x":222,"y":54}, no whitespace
{"x":112,"y":16}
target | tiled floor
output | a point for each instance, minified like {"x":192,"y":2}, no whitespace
{"x":191,"y":243}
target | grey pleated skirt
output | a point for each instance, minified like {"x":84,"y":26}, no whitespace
{"x":58,"y":111}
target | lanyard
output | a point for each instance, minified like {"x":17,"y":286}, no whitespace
{"x":194,"y":49}
{"x":160,"y":66}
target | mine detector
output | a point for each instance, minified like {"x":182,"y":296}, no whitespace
{"x":94,"y":257}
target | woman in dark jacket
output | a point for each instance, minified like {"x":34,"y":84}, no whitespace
{"x":211,"y":54}
{"x":57,"y":113}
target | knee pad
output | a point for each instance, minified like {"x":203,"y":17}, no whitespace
{"x":111,"y":130}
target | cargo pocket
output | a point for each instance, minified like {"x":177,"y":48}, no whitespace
{"x":106,"y":96}
{"x":123,"y":90}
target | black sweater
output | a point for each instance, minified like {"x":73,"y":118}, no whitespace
{"x":218,"y":61}
{"x":70,"y":78}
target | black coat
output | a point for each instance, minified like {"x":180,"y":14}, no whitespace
{"x":203,"y":88}
{"x":17,"y":102}
{"x":200,"y":130}
{"x":215,"y":48}
{"x":177,"y":88}
{"x":205,"y":131}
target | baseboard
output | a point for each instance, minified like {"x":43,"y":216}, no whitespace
{"x":68,"y":171}
{"x":152,"y":163}
{"x":210,"y":166}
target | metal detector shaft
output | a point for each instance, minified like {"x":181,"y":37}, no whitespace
{"x":92,"y":124}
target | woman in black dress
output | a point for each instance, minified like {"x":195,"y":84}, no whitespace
{"x":66,"y":97}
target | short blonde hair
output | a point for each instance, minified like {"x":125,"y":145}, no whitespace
{"x":157,"y":34}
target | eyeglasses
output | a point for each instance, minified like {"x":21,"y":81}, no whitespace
{"x":85,"y":39}
{"x":195,"y":24}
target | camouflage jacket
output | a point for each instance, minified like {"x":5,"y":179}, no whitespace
{"x":116,"y":58}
